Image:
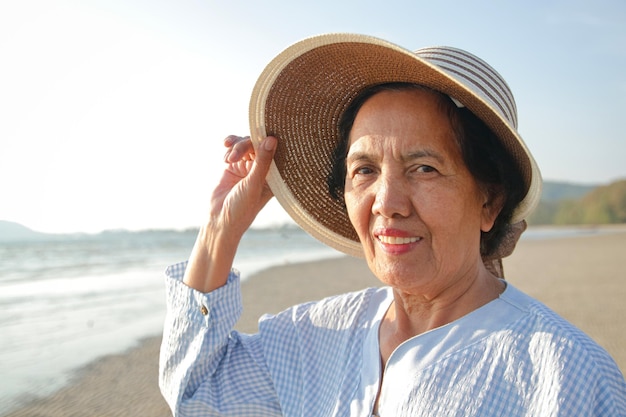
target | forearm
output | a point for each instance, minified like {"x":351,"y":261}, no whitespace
{"x":211,"y":259}
{"x":240,"y":194}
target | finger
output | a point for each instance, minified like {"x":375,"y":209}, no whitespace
{"x":263,"y":160}
{"x":230,"y":140}
{"x":240,"y":149}
{"x":266,"y":150}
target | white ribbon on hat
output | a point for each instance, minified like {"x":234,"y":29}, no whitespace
{"x":457,"y":102}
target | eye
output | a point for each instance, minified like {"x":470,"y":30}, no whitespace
{"x":360,"y":169}
{"x":365,"y":170}
{"x":425,"y":169}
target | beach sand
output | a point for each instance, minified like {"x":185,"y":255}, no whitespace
{"x":582,"y":278}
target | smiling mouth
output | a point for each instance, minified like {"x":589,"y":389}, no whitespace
{"x":394,"y":240}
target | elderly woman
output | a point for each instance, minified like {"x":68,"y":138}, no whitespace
{"x":413,"y":161}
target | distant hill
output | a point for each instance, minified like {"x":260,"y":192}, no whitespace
{"x":11,"y":231}
{"x":555,"y":190}
{"x":600,"y":205}
{"x":15,"y":232}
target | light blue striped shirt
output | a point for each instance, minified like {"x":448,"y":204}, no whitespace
{"x":511,"y":357}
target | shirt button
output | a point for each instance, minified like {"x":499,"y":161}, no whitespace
{"x":204,"y":310}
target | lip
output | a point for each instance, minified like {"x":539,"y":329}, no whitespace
{"x":396,"y":241}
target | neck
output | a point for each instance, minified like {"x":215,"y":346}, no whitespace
{"x":414,"y":314}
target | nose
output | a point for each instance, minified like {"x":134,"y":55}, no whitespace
{"x":392,"y":198}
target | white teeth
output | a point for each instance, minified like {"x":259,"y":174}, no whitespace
{"x":392,"y":240}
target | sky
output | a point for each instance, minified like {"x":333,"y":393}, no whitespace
{"x":113,"y":112}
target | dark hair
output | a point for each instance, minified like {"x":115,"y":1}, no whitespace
{"x":484,"y":154}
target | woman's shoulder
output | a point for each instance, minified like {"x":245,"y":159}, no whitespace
{"x":338,"y":311}
{"x":544,"y":328}
{"x":367,"y":301}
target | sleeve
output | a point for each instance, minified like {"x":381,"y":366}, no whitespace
{"x":596,"y":389}
{"x":607,"y":388}
{"x":589,"y":380}
{"x":205,"y":368}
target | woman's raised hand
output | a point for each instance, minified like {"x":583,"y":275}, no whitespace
{"x":236,"y":200}
{"x":242,"y":191}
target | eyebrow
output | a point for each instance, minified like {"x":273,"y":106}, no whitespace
{"x":358,"y":156}
{"x":423,"y":153}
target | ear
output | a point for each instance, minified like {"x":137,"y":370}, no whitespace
{"x":494,"y":201}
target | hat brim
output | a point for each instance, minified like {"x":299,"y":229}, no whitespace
{"x":300,"y":97}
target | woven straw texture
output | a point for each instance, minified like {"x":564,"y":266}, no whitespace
{"x":303,"y":92}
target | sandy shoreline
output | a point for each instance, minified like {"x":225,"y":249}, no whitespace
{"x":582,"y":278}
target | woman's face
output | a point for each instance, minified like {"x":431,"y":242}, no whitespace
{"x":415,"y":206}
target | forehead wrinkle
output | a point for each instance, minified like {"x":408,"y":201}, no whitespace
{"x":422,"y":153}
{"x":404,"y":157}
{"x":359,"y":156}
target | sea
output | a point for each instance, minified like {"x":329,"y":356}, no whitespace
{"x":67,"y":300}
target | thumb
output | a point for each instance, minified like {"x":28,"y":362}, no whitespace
{"x":263,"y":159}
{"x":264,"y":154}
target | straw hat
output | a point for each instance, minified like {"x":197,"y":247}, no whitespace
{"x":302,"y":93}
